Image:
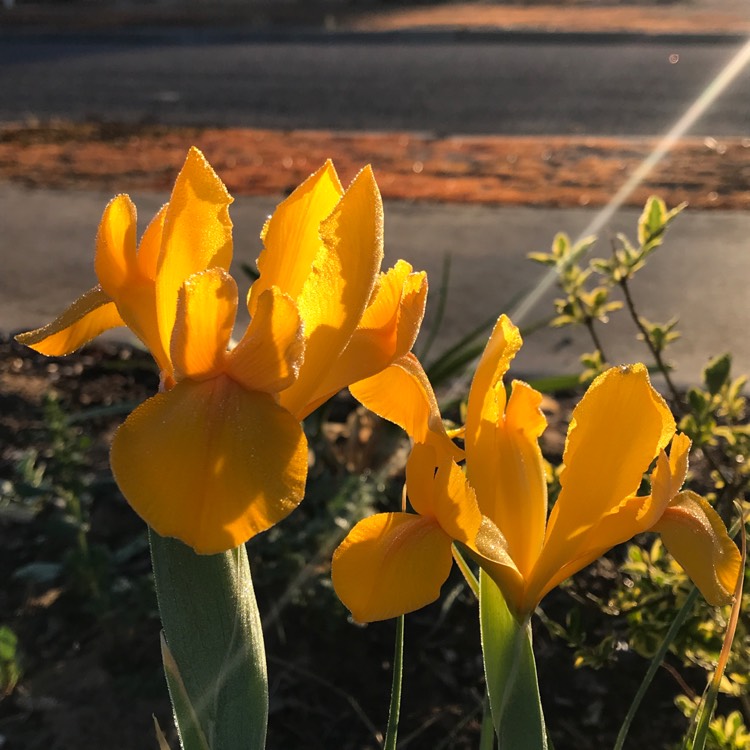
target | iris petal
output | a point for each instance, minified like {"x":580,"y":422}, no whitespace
{"x":617,"y":429}
{"x":696,"y":537}
{"x":269,"y":355}
{"x":402,"y":394}
{"x":115,"y":259}
{"x":386,"y":332}
{"x":206,"y":308}
{"x":196,"y":235}
{"x":390,"y":564}
{"x":210,"y":463}
{"x":91,"y":314}
{"x":291,"y":237}
{"x":339,"y":287}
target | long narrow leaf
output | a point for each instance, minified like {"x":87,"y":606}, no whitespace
{"x":510,"y":671}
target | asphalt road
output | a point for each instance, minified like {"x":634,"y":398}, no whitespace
{"x":417,"y":82}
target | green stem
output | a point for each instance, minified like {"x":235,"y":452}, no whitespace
{"x":654,"y":666}
{"x":213,"y":631}
{"x":395,"y":708}
{"x":487,"y":730}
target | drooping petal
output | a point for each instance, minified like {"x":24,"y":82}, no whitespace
{"x":210,"y":463}
{"x":196,"y":235}
{"x":386,"y":332}
{"x":391,"y":564}
{"x":617,"y":429}
{"x":91,"y":314}
{"x":337,"y":291}
{"x":402,"y":394}
{"x":696,"y":537}
{"x":291,"y":237}
{"x":115,"y":259}
{"x":269,"y":355}
{"x":206,"y":308}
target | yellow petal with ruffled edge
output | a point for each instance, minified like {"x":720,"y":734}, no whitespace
{"x":196,"y":235}
{"x":391,"y":564}
{"x":210,"y":463}
{"x":91,"y":314}
{"x":696,"y":537}
{"x":206,"y":308}
{"x":485,"y":416}
{"x":667,"y":478}
{"x":338,"y":289}
{"x":618,"y":428}
{"x":402,"y":394}
{"x":291,"y":237}
{"x":269,"y":355}
{"x":386,"y":332}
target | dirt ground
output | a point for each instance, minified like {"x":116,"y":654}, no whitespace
{"x":544,"y":171}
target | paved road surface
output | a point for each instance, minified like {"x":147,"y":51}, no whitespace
{"x":419,"y":82}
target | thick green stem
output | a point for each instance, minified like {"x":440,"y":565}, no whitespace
{"x":213,"y":631}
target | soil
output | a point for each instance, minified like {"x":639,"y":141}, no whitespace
{"x":91,"y":671}
{"x":539,"y":171}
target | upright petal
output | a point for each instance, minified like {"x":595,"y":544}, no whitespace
{"x":485,"y":410}
{"x":696,"y":537}
{"x":210,"y":463}
{"x":513,"y":485}
{"x":270,"y":353}
{"x":338,"y":289}
{"x":91,"y":314}
{"x":391,"y":564}
{"x":402,"y":394}
{"x":115,"y":259}
{"x":206,"y":308}
{"x":292,"y":238}
{"x":387,"y":331}
{"x":196,"y":235}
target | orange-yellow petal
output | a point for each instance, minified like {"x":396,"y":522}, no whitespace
{"x":668,"y":476}
{"x":291,"y":237}
{"x":386,"y":332}
{"x":617,"y":429}
{"x":437,"y":488}
{"x":487,"y":395}
{"x":149,"y":248}
{"x":115,"y":259}
{"x":402,"y":394}
{"x":206,"y":308}
{"x":269,"y":355}
{"x":210,"y":463}
{"x":507,"y":470}
{"x":391,"y":564}
{"x":196,"y":235}
{"x":91,"y":314}
{"x":696,"y":537}
{"x":338,"y":289}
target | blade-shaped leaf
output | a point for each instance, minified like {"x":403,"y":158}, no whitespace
{"x":510,"y":671}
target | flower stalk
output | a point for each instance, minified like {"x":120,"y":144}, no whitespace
{"x":213,"y":630}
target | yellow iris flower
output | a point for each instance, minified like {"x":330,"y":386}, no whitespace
{"x":392,"y":563}
{"x":219,"y":455}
